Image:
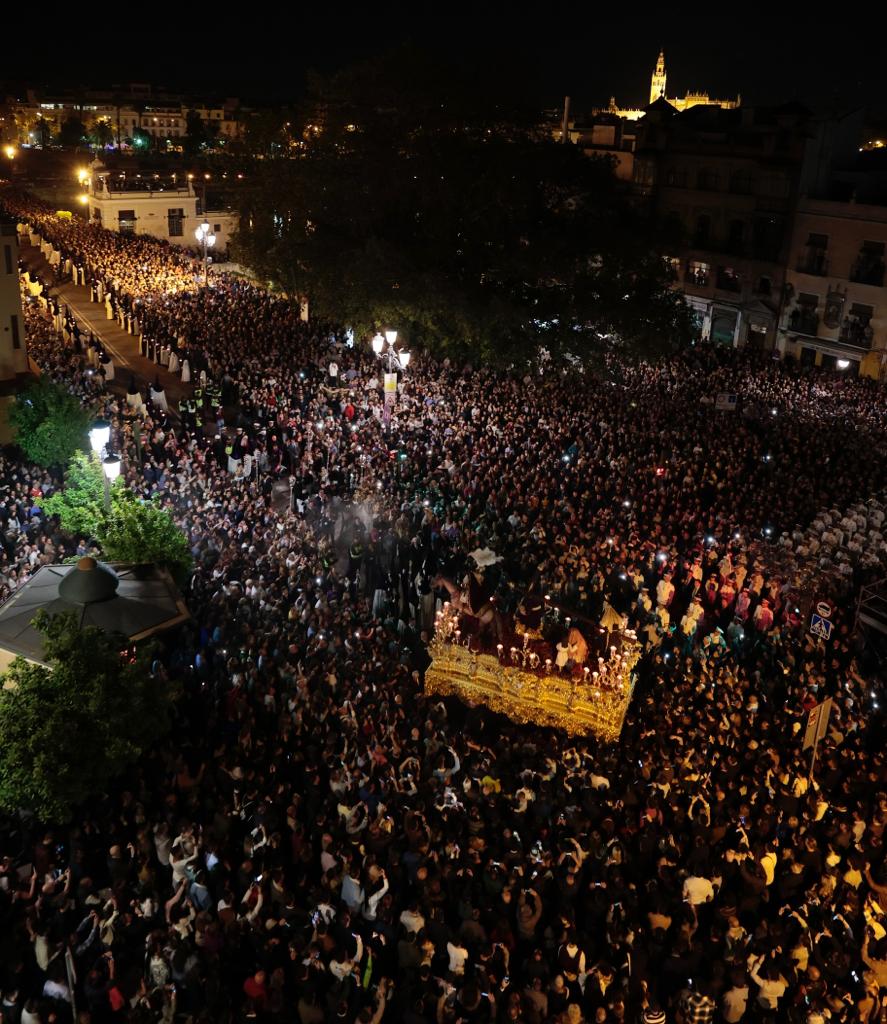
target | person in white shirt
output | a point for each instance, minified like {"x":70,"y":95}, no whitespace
{"x":735,"y":1000}
{"x":412,"y":920}
{"x":771,"y":984}
{"x":698,"y":890}
{"x":372,"y":903}
{"x":458,"y":956}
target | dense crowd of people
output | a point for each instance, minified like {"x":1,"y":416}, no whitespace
{"x":316,"y":841}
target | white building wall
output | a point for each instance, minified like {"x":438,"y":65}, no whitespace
{"x":151,"y":211}
{"x":13,"y":344}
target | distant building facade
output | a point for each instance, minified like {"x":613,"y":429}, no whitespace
{"x":13,"y":344}
{"x":119,"y":117}
{"x":606,"y":135}
{"x":835,"y":311}
{"x":728,"y":182}
{"x":658,"y":82}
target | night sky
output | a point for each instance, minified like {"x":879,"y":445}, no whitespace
{"x":551,"y":52}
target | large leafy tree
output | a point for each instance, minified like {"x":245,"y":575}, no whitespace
{"x":80,"y":503}
{"x":67,"y":730}
{"x":199,"y":134}
{"x":72,"y":132}
{"x":142,"y":532}
{"x":443,"y":211}
{"x":101,"y":134}
{"x":49,"y":423}
{"x":132,"y":530}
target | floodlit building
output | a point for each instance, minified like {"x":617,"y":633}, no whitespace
{"x":658,"y":82}
{"x":166,"y":208}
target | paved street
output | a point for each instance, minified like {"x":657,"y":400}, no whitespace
{"x":123,"y":347}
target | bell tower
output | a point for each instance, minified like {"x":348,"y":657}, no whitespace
{"x":657,"y":81}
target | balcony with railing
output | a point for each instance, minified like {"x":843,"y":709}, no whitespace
{"x":728,"y":280}
{"x":105,"y":187}
{"x":856,"y":331}
{"x":697,"y":276}
{"x":804,"y":320}
{"x":868,"y":270}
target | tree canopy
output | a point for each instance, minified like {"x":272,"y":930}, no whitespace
{"x":72,"y":132}
{"x":446,"y":213}
{"x":49,"y":423}
{"x":66,"y":731}
{"x":132,"y":530}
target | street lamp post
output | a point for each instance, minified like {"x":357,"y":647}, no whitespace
{"x":396,"y":360}
{"x":207,"y":239}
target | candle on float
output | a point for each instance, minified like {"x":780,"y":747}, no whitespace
{"x":548,"y":664}
{"x":585,"y":673}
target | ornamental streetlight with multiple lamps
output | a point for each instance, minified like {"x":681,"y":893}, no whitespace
{"x":396,"y":360}
{"x":207,"y":239}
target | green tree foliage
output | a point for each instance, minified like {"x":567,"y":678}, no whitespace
{"x":42,"y":132}
{"x":133,"y":530}
{"x":80,"y":503}
{"x":443,"y":211}
{"x":101,"y":134}
{"x":141,"y":139}
{"x":264,"y":135}
{"x":72,"y":132}
{"x":142,"y":532}
{"x":200,"y":135}
{"x":66,"y":731}
{"x":49,"y":423}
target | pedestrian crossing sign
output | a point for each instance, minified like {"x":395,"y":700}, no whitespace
{"x":821,"y":626}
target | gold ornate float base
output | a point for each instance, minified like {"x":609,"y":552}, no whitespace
{"x":527,"y":697}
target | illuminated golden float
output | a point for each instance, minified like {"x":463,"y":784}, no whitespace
{"x":518,"y":683}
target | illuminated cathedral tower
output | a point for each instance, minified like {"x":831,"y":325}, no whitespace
{"x":657,"y":80}
{"x":657,"y":91}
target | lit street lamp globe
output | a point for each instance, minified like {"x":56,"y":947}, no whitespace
{"x":111,"y":467}
{"x":99,"y":436}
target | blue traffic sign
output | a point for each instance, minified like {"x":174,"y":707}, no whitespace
{"x":821,"y":626}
